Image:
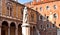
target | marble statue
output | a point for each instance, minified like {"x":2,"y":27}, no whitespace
{"x":25,"y":15}
{"x":25,"y":24}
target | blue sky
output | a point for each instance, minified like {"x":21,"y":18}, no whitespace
{"x":24,"y":1}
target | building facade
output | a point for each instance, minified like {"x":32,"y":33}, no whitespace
{"x":11,"y":18}
{"x":48,"y":17}
{"x":43,"y":17}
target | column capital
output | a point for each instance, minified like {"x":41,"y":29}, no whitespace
{"x":25,"y":25}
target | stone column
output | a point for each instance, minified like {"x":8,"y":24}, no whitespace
{"x":16,"y":31}
{"x":9,"y":29}
{"x":32,"y":30}
{"x":25,"y":29}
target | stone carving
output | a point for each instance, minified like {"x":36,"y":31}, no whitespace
{"x":25,"y":15}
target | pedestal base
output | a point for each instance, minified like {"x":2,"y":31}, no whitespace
{"x":25,"y":29}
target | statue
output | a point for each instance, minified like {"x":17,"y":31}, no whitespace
{"x":25,"y":24}
{"x":25,"y":15}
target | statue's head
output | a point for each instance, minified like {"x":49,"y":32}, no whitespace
{"x":25,"y":8}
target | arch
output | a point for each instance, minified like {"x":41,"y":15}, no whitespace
{"x":5,"y":23}
{"x":19,"y":29}
{"x":12,"y":28}
{"x":34,"y":31}
{"x":4,"y":29}
{"x":12,"y":24}
{"x":19,"y":25}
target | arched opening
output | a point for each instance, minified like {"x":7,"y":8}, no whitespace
{"x":19,"y":29}
{"x":34,"y":31}
{"x":31,"y":30}
{"x":12,"y":28}
{"x":4,"y":30}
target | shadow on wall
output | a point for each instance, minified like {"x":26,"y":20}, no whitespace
{"x":45,"y":27}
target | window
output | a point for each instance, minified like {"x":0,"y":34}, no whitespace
{"x":41,"y":26}
{"x":47,"y":18}
{"x":47,"y":7}
{"x":41,"y":17}
{"x":55,"y":15}
{"x":55,"y":6}
{"x":59,"y":24}
{"x":40,"y":8}
{"x":9,"y":9}
{"x":53,"y":25}
{"x":48,"y":26}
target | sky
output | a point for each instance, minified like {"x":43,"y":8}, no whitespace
{"x":23,"y":1}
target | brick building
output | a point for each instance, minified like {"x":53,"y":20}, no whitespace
{"x":43,"y":17}
{"x":48,"y":19}
{"x":11,"y":16}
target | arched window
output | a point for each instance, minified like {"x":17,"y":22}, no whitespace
{"x":55,"y":6}
{"x":40,"y":8}
{"x":41,"y":26}
{"x":55,"y":15}
{"x":9,"y":8}
{"x":53,"y":25}
{"x":48,"y":25}
{"x":41,"y":17}
{"x":47,"y":18}
{"x":47,"y":7}
{"x":59,"y":24}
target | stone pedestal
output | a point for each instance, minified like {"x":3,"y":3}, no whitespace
{"x":25,"y":29}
